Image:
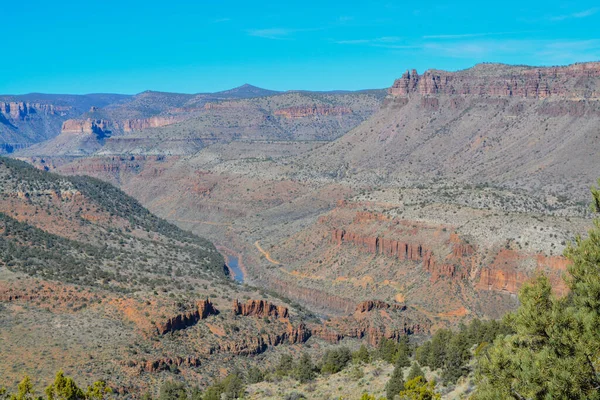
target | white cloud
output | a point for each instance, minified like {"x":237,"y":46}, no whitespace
{"x":581,"y":14}
{"x":278,"y":33}
{"x":372,"y":42}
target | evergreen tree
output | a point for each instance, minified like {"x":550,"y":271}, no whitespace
{"x":97,"y":391}
{"x":419,"y":389}
{"x":361,"y":355}
{"x":335,"y":360}
{"x":415,"y":371}
{"x":437,"y":354}
{"x":387,"y":350}
{"x":285,"y":366}
{"x":457,"y":357}
{"x":172,"y":391}
{"x":25,"y":390}
{"x":305,"y":369}
{"x":555,"y":350}
{"x":255,"y":375}
{"x":423,"y":354}
{"x":64,"y":388}
{"x":396,"y":383}
{"x":403,"y":352}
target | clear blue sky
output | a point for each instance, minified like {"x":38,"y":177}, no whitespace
{"x":127,"y":46}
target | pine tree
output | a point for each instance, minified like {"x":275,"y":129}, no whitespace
{"x":305,"y":369}
{"x":361,"y":355}
{"x":415,"y":371}
{"x":423,"y":354}
{"x":555,"y":350}
{"x":396,"y":383}
{"x":403,"y":352}
{"x":285,"y":366}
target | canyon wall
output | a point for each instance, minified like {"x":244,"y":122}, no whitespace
{"x":260,"y":308}
{"x":311,"y":111}
{"x":503,"y":81}
{"x":20,"y":110}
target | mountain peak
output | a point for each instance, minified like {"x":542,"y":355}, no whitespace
{"x":246,"y":91}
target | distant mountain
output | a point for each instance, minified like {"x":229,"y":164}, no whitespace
{"x":32,"y":118}
{"x":245,"y":91}
{"x":160,"y":123}
{"x":521,"y":127}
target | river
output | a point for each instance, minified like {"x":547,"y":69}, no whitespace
{"x":236,"y":271}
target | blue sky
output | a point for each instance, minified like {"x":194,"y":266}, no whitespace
{"x":129,"y":46}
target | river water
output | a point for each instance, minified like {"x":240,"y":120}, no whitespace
{"x":236,"y":271}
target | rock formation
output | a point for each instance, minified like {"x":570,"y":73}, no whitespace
{"x":312,"y":111}
{"x":87,"y":126}
{"x":503,"y":81}
{"x":260,"y":308}
{"x":373,"y":321}
{"x":203,"y":309}
{"x":19,"y":110}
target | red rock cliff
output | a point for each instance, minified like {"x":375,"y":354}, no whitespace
{"x":260,"y":308}
{"x":203,"y":309}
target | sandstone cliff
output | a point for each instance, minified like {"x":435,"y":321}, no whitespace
{"x":260,"y":308}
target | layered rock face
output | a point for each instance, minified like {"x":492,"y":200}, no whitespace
{"x":374,"y":320}
{"x":504,"y":274}
{"x":411,"y":251}
{"x":203,"y":309}
{"x":504,"y":81}
{"x":308,"y":111}
{"x":260,"y":308}
{"x":92,"y":125}
{"x":87,"y":126}
{"x":20,"y":110}
{"x":256,"y":344}
{"x":130,"y":125}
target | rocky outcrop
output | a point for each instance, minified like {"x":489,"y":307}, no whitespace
{"x":511,"y":269}
{"x":260,"y":308}
{"x":87,"y":126}
{"x":19,"y":110}
{"x":370,"y":305}
{"x":379,"y":245}
{"x":573,"y":81}
{"x":256,"y":344}
{"x":83,"y":126}
{"x":456,"y":265}
{"x":130,"y":125}
{"x":373,"y":321}
{"x":315,"y":298}
{"x":164,"y":364}
{"x":311,"y":111}
{"x":202,"y":310}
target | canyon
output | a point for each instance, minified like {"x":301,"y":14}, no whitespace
{"x":355,"y":216}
